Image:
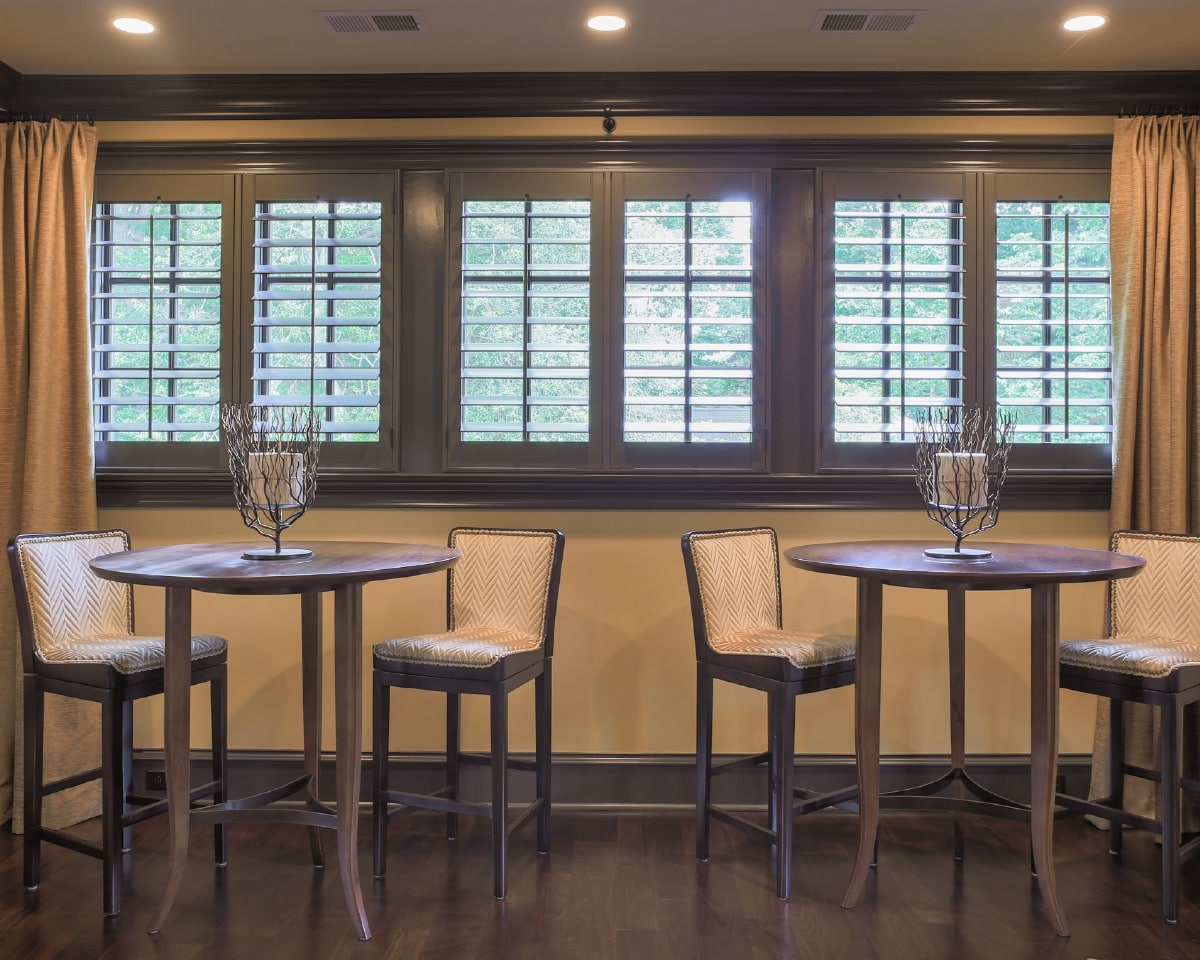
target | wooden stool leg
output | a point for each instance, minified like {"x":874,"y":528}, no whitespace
{"x":704,"y":698}
{"x":218,"y":698}
{"x":112,"y":799}
{"x":1116,"y":768}
{"x":542,"y":709}
{"x":785,"y":708}
{"x":381,"y":714}
{"x":34,"y":720}
{"x":126,"y":771}
{"x":1171,"y":813}
{"x":499,"y":790}
{"x":453,"y":754}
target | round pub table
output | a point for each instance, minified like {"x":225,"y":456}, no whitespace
{"x":335,"y":566}
{"x":1039,"y":568}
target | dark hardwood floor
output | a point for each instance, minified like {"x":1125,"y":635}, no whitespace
{"x":616,"y":885}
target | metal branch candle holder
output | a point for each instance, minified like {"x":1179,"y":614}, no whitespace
{"x":961,"y":463}
{"x":273,"y":459}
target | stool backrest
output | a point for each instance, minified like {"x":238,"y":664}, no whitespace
{"x":506,"y":579}
{"x":59,"y":599}
{"x":1164,"y":599}
{"x":733,"y":580}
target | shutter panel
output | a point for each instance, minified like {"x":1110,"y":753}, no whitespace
{"x":156,"y":321}
{"x":1053,"y":321}
{"x":688,"y":321}
{"x":898,"y":314}
{"x":318,"y":312}
{"x":525,"y":362}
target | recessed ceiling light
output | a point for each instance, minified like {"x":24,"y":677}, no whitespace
{"x":1090,"y":22}
{"x":607,"y":23}
{"x":133,"y":25}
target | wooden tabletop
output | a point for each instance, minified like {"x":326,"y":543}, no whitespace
{"x":1012,"y":565}
{"x":220,"y":567}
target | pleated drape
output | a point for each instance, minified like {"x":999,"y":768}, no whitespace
{"x":1156,"y":308}
{"x":47,"y":173}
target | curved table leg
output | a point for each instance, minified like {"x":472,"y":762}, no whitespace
{"x":866,"y":730}
{"x":347,"y":683}
{"x":177,"y":738}
{"x":310,"y":643}
{"x":1043,"y":689}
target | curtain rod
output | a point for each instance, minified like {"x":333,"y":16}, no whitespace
{"x":46,"y":118}
{"x":1157,"y":111}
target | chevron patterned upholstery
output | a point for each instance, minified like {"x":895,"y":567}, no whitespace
{"x":799,"y":649}
{"x":78,"y":617}
{"x":499,"y":592}
{"x":481,"y":647}
{"x":1155,"y":616}
{"x":738,"y":575}
{"x":502,"y":580}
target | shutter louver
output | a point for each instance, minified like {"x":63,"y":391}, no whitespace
{"x":156,"y":321}
{"x":1053,"y":321}
{"x":318,"y":312}
{"x":688,"y":321}
{"x":526,"y":321}
{"x":898,"y":297}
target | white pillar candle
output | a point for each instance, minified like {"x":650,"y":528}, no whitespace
{"x":276,"y":479}
{"x":961,"y":480}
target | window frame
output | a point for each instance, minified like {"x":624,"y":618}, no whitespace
{"x":980,"y":190}
{"x":794,"y":476}
{"x":522,"y":185}
{"x":333,"y":188}
{"x":1046,"y":186}
{"x":119,"y":187}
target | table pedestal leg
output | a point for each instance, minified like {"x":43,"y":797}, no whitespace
{"x":177,"y":739}
{"x":866,"y":730}
{"x":1044,"y":743}
{"x":347,"y":674}
{"x":310,"y":643}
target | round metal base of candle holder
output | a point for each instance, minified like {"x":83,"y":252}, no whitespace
{"x":284,"y":553}
{"x":949,"y":553}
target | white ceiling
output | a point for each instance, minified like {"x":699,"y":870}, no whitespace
{"x":284,"y":36}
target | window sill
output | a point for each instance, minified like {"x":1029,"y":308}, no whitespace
{"x":587,"y":491}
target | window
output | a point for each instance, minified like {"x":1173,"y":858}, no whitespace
{"x":538,"y":342}
{"x":689,"y":298}
{"x":495,"y":327}
{"x":159,"y":270}
{"x":920,"y":318}
{"x":320,"y":316}
{"x":1053,"y":321}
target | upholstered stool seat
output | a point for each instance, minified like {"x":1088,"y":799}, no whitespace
{"x":737,"y":618}
{"x":107,"y":661}
{"x":1151,"y":656}
{"x":501,"y":600}
{"x":77,"y":640}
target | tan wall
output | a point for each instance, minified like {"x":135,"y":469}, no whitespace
{"x":624,"y":680}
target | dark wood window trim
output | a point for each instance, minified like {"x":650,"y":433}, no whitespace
{"x":421,"y":478}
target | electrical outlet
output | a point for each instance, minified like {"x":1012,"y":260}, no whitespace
{"x":156,"y":780}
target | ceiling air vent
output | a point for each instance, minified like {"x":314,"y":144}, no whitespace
{"x":867,"y":21}
{"x":375,"y":21}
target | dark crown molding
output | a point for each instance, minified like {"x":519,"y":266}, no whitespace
{"x":860,"y":93}
{"x":9,"y":81}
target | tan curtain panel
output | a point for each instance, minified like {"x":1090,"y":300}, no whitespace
{"x":47,"y":171}
{"x":1156,"y":307}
